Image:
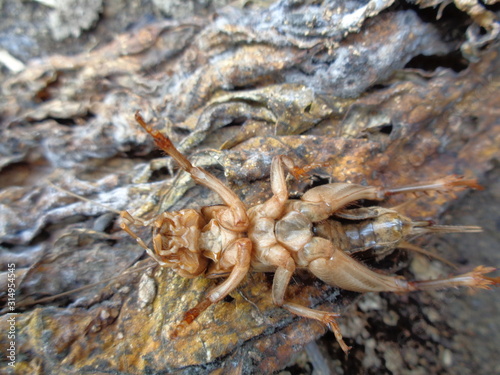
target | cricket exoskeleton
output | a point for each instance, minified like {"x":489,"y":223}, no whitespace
{"x":282,"y":234}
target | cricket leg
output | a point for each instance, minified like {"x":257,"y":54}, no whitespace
{"x":323,"y":201}
{"x":236,"y":217}
{"x":237,"y":257}
{"x":274,"y":206}
{"x":335,"y":267}
{"x":446,"y":184}
{"x":280,"y":257}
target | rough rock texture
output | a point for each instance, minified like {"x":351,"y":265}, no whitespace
{"x":378,"y":92}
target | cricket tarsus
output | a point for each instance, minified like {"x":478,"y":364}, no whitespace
{"x":445,"y":184}
{"x":190,"y":316}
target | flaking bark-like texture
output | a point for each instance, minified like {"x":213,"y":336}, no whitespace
{"x":378,"y":91}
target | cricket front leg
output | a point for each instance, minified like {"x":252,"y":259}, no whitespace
{"x":236,"y":217}
{"x":238,"y":258}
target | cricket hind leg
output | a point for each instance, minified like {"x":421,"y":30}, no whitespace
{"x":321,"y":202}
{"x":335,"y":267}
{"x":446,"y":184}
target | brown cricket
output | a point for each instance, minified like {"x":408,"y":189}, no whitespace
{"x":282,"y":234}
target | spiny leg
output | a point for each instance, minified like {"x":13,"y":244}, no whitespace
{"x":335,"y":267}
{"x":327,"y":318}
{"x":323,"y":201}
{"x":475,"y":279}
{"x":445,"y":184}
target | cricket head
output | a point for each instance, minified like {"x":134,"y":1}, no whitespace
{"x":176,"y":241}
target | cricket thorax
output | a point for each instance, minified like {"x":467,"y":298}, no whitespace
{"x":293,"y":231}
{"x":214,"y":239}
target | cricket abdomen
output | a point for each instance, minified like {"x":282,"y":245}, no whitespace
{"x":384,"y":231}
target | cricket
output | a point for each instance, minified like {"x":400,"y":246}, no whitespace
{"x":317,"y":232}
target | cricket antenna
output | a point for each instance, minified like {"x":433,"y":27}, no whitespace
{"x":65,"y":191}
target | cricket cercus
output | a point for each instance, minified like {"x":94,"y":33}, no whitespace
{"x":282,"y":234}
